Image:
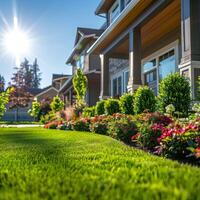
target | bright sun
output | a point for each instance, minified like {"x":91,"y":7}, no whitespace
{"x":16,"y":41}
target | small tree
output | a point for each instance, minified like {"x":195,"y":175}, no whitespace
{"x":57,"y":104}
{"x":35,"y":110}
{"x":80,"y":85}
{"x":4,"y":99}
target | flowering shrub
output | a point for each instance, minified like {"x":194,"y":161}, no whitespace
{"x":53,"y":124}
{"x":123,"y":129}
{"x":177,"y":141}
{"x":82,"y":124}
{"x":99,"y":125}
{"x":150,"y":128}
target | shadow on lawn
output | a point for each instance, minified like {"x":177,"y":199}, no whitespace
{"x":33,"y":143}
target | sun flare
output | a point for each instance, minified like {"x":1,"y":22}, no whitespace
{"x":16,"y":42}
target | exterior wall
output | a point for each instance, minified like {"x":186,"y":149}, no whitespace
{"x":93,"y":90}
{"x":49,"y":94}
{"x":94,"y":62}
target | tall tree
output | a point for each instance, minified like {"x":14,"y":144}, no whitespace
{"x":36,"y":74}
{"x":2,"y":84}
{"x":27,"y":73}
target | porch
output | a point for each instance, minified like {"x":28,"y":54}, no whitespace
{"x":161,"y":39}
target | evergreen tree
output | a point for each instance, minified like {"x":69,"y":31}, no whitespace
{"x":2,"y":84}
{"x":36,"y":74}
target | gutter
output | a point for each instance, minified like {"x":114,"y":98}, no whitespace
{"x":131,"y":5}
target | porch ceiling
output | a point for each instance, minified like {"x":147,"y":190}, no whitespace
{"x":121,"y":24}
{"x":163,"y":23}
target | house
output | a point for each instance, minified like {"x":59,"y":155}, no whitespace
{"x":51,"y":91}
{"x":90,"y":64}
{"x":145,"y":40}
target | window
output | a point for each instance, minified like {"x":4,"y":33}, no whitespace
{"x":159,"y":67}
{"x":167,"y":64}
{"x":114,"y":12}
{"x":126,"y":79}
{"x":80,"y":62}
{"x":119,"y":83}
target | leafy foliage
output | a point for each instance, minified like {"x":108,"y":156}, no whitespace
{"x":89,"y":111}
{"x":112,"y":106}
{"x":4,"y":99}
{"x":175,"y":90}
{"x":2,"y":83}
{"x":57,"y":104}
{"x":127,"y":103}
{"x":80,"y":85}
{"x":35,"y":110}
{"x":100,"y":107}
{"x":198,"y":89}
{"x":144,"y":100}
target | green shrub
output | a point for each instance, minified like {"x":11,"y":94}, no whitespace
{"x":122,"y":129}
{"x":175,"y":90}
{"x":89,"y":112}
{"x":100,"y":107}
{"x":112,"y":106}
{"x":127,"y":103}
{"x":144,"y":100}
{"x":57,"y":104}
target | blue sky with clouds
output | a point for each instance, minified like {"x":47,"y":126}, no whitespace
{"x":51,"y":25}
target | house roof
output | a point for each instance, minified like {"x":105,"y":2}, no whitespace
{"x":59,"y":76}
{"x":34,"y":91}
{"x":103,"y":6}
{"x":46,"y":89}
{"x":83,"y":37}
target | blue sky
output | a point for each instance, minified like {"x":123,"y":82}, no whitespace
{"x":52,"y":26}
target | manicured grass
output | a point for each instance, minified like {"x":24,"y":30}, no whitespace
{"x":44,"y":164}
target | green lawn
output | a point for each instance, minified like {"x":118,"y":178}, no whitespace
{"x":44,"y":164}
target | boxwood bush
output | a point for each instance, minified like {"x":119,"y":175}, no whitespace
{"x":144,"y":100}
{"x":89,"y":112}
{"x":175,"y":90}
{"x":127,"y":103}
{"x":100,"y":107}
{"x":112,"y":106}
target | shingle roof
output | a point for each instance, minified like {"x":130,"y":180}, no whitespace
{"x":57,"y":76}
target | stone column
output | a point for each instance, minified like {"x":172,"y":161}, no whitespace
{"x":135,"y":59}
{"x":190,"y":28}
{"x":105,"y":78}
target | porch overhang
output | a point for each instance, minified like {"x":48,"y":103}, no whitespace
{"x":124,"y":20}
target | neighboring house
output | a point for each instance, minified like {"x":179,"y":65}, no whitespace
{"x":20,"y":113}
{"x":90,"y":64}
{"x":51,"y":91}
{"x":146,"y":40}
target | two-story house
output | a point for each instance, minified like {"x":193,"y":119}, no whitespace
{"x":145,"y":40}
{"x":90,"y":64}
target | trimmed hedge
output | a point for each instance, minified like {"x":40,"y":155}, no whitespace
{"x":127,"y":104}
{"x":112,"y":106}
{"x":144,"y":100}
{"x":100,"y":107}
{"x":175,"y":90}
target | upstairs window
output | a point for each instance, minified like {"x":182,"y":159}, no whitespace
{"x":114,"y":11}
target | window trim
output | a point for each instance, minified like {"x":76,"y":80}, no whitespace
{"x":113,"y":7}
